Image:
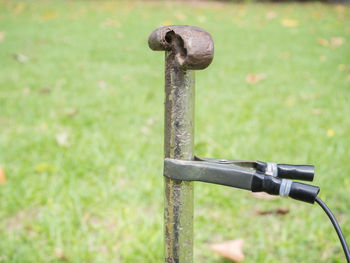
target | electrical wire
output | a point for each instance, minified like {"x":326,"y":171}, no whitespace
{"x":336,"y":227}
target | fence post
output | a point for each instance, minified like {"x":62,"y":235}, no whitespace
{"x":187,"y":48}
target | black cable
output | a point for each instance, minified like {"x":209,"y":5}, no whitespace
{"x":336,"y":227}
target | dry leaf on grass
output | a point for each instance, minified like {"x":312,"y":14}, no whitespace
{"x":102,"y":84}
{"x":180,"y":16}
{"x":45,"y":90}
{"x":337,"y":41}
{"x":59,"y":253}
{"x":323,"y":42}
{"x":340,"y":8}
{"x":26,"y":91}
{"x":230,"y":249}
{"x":285,"y":54}
{"x":128,"y":48}
{"x":255,"y":78}
{"x":110,"y":23}
{"x":166,"y":23}
{"x":264,"y":196}
{"x":271,"y":15}
{"x":317,"y":111}
{"x":62,"y":138}
{"x":2,"y":35}
{"x":19,"y":8}
{"x":323,"y":58}
{"x":290,"y":22}
{"x":21,"y":58}
{"x":342,"y":67}
{"x":72,"y":112}
{"x":119,"y":35}
{"x":278,"y":211}
{"x":317,"y":15}
{"x":333,"y":42}
{"x":49,"y":15}
{"x":2,"y":176}
{"x":145,"y":130}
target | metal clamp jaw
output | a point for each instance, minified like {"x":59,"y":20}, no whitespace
{"x":248,"y":175}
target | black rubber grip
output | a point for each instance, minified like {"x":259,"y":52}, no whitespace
{"x":297,"y":172}
{"x":271,"y":185}
{"x":304,"y":192}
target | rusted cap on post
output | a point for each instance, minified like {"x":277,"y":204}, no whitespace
{"x":193,"y":46}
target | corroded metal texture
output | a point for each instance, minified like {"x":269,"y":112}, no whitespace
{"x":178,"y":144}
{"x":187,"y":48}
{"x":193,"y":46}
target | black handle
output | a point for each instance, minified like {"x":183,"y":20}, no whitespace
{"x":288,"y":171}
{"x":304,"y":192}
{"x":284,"y":187}
{"x":297,"y":172}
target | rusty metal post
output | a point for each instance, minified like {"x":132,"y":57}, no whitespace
{"x":187,"y":48}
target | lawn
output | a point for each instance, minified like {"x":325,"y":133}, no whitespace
{"x":81,"y":128}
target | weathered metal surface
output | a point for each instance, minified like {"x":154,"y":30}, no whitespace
{"x":186,"y":48}
{"x":193,"y":46}
{"x":178,"y":144}
{"x":242,"y":163}
{"x":210,"y":172}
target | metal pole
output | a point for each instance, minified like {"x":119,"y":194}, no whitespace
{"x":187,"y":48}
{"x":178,"y":144}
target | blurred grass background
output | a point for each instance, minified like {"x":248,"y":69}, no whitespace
{"x":81,"y":121}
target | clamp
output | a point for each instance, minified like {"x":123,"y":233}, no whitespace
{"x":255,"y":176}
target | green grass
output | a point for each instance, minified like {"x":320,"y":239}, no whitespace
{"x":91,"y":76}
